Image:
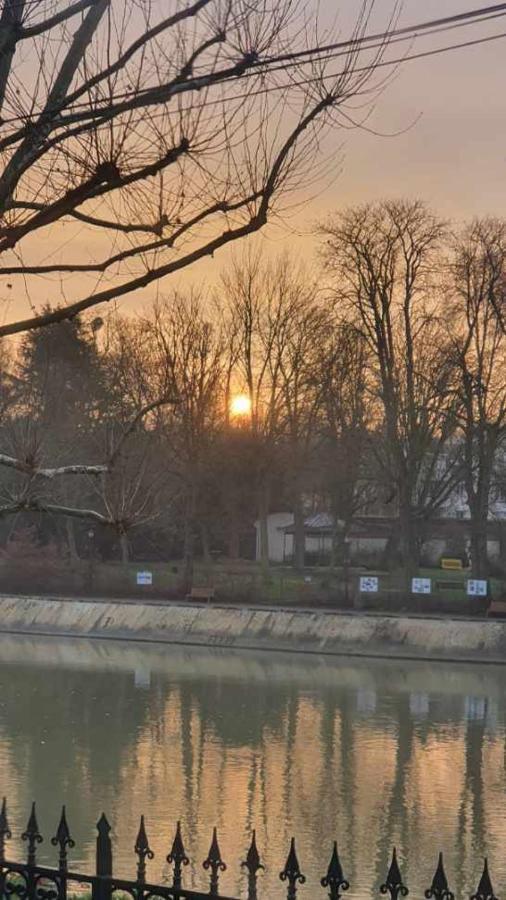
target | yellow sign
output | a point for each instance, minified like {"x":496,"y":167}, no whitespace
{"x":447,"y":563}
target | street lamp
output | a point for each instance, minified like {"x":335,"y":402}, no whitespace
{"x":346,"y":566}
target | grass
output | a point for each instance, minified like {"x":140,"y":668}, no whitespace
{"x":246,"y":581}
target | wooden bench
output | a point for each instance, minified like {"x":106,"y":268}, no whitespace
{"x":201,"y":593}
{"x":497,"y":609}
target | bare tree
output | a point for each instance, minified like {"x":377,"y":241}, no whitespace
{"x":70,"y":401}
{"x":187,"y":352}
{"x":301,"y":333}
{"x":139,"y":138}
{"x":384,"y":259}
{"x":479,"y":273}
{"x":346,"y":425}
{"x":157,"y":128}
{"x":133,"y":490}
{"x":258,"y":296}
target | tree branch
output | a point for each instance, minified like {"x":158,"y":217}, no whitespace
{"x":120,"y":63}
{"x":28,"y":150}
{"x":149,"y":407}
{"x":106,"y":179}
{"x":34,"y":471}
{"x":152,"y":246}
{"x":96,"y":221}
{"x":32,"y":505}
{"x":255,"y":223}
{"x":34,"y":30}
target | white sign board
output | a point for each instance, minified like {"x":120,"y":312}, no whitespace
{"x":477,"y":587}
{"x":420,"y":585}
{"x":369,"y":584}
{"x":418,"y":704}
{"x":144,"y":578}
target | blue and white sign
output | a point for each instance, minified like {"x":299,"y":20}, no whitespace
{"x":144,"y":578}
{"x":420,"y":585}
{"x":477,"y":587}
{"x":369,"y":584}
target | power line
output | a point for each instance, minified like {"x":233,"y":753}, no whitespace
{"x":359,"y":44}
{"x":382,"y":44}
{"x":495,"y":11}
{"x":336,"y":75}
{"x":381,"y":64}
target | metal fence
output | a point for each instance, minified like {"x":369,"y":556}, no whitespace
{"x":30,"y":881}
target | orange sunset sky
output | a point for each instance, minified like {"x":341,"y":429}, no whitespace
{"x":437,"y":132}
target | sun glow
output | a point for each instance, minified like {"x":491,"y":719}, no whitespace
{"x":240,"y":405}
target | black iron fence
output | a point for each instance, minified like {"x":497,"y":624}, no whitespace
{"x":31,"y":881}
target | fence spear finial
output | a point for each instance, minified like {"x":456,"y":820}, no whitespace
{"x":177,"y":857}
{"x":334,"y":879}
{"x":62,"y":839}
{"x":439,"y":889}
{"x":33,"y":836}
{"x":143,"y":851}
{"x":484,"y":891}
{"x":253,"y":865}
{"x":5,"y":832}
{"x":394,"y":884}
{"x":215,"y":863}
{"x":292,"y":873}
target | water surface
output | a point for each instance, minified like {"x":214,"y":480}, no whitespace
{"x":373,"y":753}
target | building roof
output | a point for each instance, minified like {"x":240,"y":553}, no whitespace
{"x":382,"y":526}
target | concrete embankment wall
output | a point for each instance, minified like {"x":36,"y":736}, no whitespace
{"x":260,"y":628}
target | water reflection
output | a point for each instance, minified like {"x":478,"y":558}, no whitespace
{"x":374,"y":753}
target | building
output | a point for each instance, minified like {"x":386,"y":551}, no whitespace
{"x":369,"y":535}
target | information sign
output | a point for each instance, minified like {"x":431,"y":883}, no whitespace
{"x":477,"y":587}
{"x":369,"y":584}
{"x":144,"y":578}
{"x":420,"y":585}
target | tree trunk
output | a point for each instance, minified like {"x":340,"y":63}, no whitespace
{"x":479,"y":555}
{"x":479,"y":551}
{"x":391,"y":552}
{"x":478,"y":493}
{"x":407,"y":539}
{"x":299,"y":534}
{"x":233,"y":543}
{"x":206,"y":549}
{"x":125,"y":549}
{"x":188,"y":556}
{"x":71,"y":540}
{"x":189,"y":541}
{"x":263,"y":513}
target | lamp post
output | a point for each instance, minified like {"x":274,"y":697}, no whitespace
{"x":346,"y":567}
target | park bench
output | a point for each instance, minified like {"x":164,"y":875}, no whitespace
{"x":201,"y":593}
{"x":497,"y":609}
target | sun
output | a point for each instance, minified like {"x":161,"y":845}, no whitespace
{"x":240,"y":405}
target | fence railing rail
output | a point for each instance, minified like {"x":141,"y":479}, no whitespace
{"x":30,"y":881}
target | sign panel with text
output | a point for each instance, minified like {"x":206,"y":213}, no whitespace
{"x":369,"y":584}
{"x":477,"y":587}
{"x":420,"y":585}
{"x":144,"y":578}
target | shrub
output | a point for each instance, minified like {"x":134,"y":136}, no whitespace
{"x":26,"y":565}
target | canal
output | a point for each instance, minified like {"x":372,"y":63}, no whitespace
{"x":373,"y":753}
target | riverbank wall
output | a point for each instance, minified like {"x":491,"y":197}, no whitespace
{"x":260,"y":628}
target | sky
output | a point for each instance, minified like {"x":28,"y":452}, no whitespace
{"x":453,"y":153}
{"x":440,"y":133}
{"x":437,"y":132}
